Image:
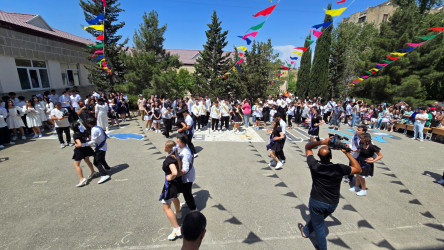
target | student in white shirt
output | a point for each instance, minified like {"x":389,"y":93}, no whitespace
{"x":189,"y":131}
{"x":5,"y":133}
{"x":258,"y":114}
{"x":225,"y":115}
{"x":215,"y":115}
{"x":187,"y":172}
{"x":60,"y":116}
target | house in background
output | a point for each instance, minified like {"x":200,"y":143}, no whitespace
{"x":34,"y":57}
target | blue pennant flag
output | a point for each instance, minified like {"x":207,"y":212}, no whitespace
{"x":409,"y":49}
{"x":325,"y":25}
{"x":293,"y":58}
{"x":246,"y":39}
{"x":99,"y":18}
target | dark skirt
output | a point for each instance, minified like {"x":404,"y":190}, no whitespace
{"x":367,"y":170}
{"x":81,"y":153}
{"x":171,"y":189}
{"x":237,"y":118}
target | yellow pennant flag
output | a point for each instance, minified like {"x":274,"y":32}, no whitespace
{"x":234,"y":69}
{"x":337,"y":12}
{"x":96,"y":27}
{"x":360,"y":79}
{"x":297,"y":53}
{"x":228,"y":73}
{"x":398,"y":54}
{"x":242,"y":48}
{"x":374,"y":69}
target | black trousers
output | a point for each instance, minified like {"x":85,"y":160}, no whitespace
{"x":5,"y":135}
{"x":225,"y":120}
{"x":167,"y":127}
{"x":100,"y":162}
{"x":207,"y":118}
{"x":290,"y":117}
{"x":188,"y":195}
{"x":190,"y":143}
{"x":280,"y":154}
{"x":326,"y":115}
{"x":60,"y":132}
{"x":214,"y":122}
{"x":200,"y":121}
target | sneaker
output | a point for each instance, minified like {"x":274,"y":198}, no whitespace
{"x":146,"y":129}
{"x":103,"y":179}
{"x":35,"y":136}
{"x":1,"y":146}
{"x":14,"y":138}
{"x":62,"y":145}
{"x":272,"y":163}
{"x":278,"y":166}
{"x":71,"y":144}
{"x":362,"y":193}
{"x":82,"y":183}
{"x":413,"y":138}
{"x":283,"y":161}
{"x":196,"y":155}
{"x":175,"y":234}
{"x":354,"y":189}
{"x":92,"y":175}
{"x":179,"y":215}
{"x":183,"y":205}
{"x":40,"y":135}
{"x":23,"y":137}
{"x":11,"y":143}
{"x":421,"y":140}
{"x":441,"y":182}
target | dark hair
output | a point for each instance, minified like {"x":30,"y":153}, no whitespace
{"x":75,"y":127}
{"x":31,"y":101}
{"x":193,"y":226}
{"x":12,"y":93}
{"x":21,"y":98}
{"x":91,"y":121}
{"x":364,"y":128}
{"x":183,"y":138}
{"x":366,"y":138}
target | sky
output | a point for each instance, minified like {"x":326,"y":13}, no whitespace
{"x":187,"y":20}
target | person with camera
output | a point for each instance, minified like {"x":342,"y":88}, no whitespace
{"x":365,"y":158}
{"x":60,"y":116}
{"x":325,"y":191}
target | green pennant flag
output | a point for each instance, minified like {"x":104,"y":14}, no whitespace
{"x":310,"y":41}
{"x":425,"y":38}
{"x":388,"y":62}
{"x":258,"y":27}
{"x":100,"y":45}
{"x":369,"y":73}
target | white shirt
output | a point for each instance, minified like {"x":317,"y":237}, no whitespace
{"x":65,"y":101}
{"x":189,"y":122}
{"x":224,"y":110}
{"x":283,"y":126}
{"x":187,"y":165}
{"x":97,"y":137}
{"x":195,"y":109}
{"x":215,"y":112}
{"x":75,"y":100}
{"x":258,"y":112}
{"x":425,"y":115}
{"x":53,"y":98}
{"x":60,"y":113}
{"x":3,"y":115}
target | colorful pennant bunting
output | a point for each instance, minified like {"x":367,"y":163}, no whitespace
{"x":437,"y":29}
{"x":324,"y":25}
{"x":266,"y":11}
{"x":336,"y":12}
{"x":301,"y":48}
{"x":253,"y":34}
{"x":96,"y":27}
{"x":246,"y":39}
{"x":257,"y":27}
{"x":293,"y":58}
{"x":242,"y":48}
{"x":297,"y":53}
{"x":398,"y":54}
{"x":310,"y":41}
{"x":409,"y":49}
{"x":316,"y":33}
{"x":99,"y":18}
{"x":415,"y":44}
{"x":425,"y":38}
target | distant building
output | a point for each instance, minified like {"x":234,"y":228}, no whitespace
{"x":34,"y":57}
{"x":376,"y":15}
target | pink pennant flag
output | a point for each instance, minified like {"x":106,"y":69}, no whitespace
{"x":364,"y":77}
{"x":292,"y":62}
{"x":240,"y":61}
{"x":97,"y":52}
{"x":415,"y":44}
{"x":253,"y":34}
{"x":382,"y":64}
{"x":316,"y":33}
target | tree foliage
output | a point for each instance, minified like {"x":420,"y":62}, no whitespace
{"x":319,"y":70}
{"x":212,"y":61}
{"x":113,"y":48}
{"x":303,"y":82}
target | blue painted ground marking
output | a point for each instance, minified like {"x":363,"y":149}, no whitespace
{"x":127,"y":136}
{"x":376,"y":132}
{"x":375,"y":138}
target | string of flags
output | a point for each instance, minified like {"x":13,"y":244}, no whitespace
{"x":250,"y":35}
{"x":396,"y":56}
{"x":99,"y":54}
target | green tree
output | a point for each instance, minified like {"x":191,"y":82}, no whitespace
{"x":319,"y":70}
{"x":303,"y":82}
{"x":423,"y":5}
{"x":213,"y":60}
{"x":150,"y":68}
{"x":113,"y":48}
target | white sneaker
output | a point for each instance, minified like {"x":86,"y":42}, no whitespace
{"x":92,"y":175}
{"x":441,"y":182}
{"x":362,"y":193}
{"x":62,"y":145}
{"x":11,"y":143}
{"x":175,"y":234}
{"x":23,"y":137}
{"x":14,"y":138}
{"x":283,"y":161}
{"x":278,"y":166}
{"x":1,"y":146}
{"x":183,"y":205}
{"x":354,"y":189}
{"x":103,"y":179}
{"x":35,"y":136}
{"x":40,"y":135}
{"x":421,"y":140}
{"x":196,"y":155}
{"x":71,"y":144}
{"x":179,"y":215}
{"x":82,"y":183}
{"x":146,"y":129}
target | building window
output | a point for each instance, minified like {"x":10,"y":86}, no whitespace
{"x":362,"y":19}
{"x":70,"y":74}
{"x":32,"y":74}
{"x":385,"y":18}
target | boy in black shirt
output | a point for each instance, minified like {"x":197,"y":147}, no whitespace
{"x":325,"y":191}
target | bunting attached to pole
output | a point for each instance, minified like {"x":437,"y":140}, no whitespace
{"x":96,"y":27}
{"x":99,"y":18}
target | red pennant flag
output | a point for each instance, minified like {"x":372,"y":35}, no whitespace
{"x":100,"y":38}
{"x":104,"y":3}
{"x":393,"y":58}
{"x":342,"y":1}
{"x":437,"y":29}
{"x":241,"y":54}
{"x":265,"y":12}
{"x":285,"y":67}
{"x":301,"y":48}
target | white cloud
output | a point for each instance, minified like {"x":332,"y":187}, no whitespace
{"x":285,"y":53}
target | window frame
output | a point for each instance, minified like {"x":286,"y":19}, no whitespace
{"x":37,"y":69}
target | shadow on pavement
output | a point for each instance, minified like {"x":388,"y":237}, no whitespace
{"x":118,"y":168}
{"x":201,"y":198}
{"x":435,"y":176}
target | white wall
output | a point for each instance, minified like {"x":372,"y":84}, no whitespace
{"x":55,"y":75}
{"x":9,"y":79}
{"x":83,"y":76}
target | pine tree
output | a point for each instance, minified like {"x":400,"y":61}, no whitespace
{"x":319,"y":70}
{"x":213,"y":61}
{"x":150,"y":68}
{"x":303,"y":83}
{"x":113,"y":49}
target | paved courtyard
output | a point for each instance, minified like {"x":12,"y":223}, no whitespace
{"x":247,"y":204}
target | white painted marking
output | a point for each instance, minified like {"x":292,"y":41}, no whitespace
{"x":120,"y":180}
{"x":40,"y":182}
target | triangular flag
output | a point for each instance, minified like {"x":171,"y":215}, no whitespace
{"x":100,"y":38}
{"x":246,"y":39}
{"x":242,"y":48}
{"x":293,"y":58}
{"x":257,"y":27}
{"x":316,"y":33}
{"x":364,"y":77}
{"x":285,"y":67}
{"x":336,"y":12}
{"x":392,"y":58}
{"x":240,"y":61}
{"x":266,"y":11}
{"x":96,"y":27}
{"x":100,"y":45}
{"x":409,"y":49}
{"x":104,"y":3}
{"x":382,"y":64}
{"x":253,"y":34}
{"x":241,"y":54}
{"x":415,"y":44}
{"x":388,"y":62}
{"x":425,"y":38}
{"x":297,"y":53}
{"x":341,"y":1}
{"x":398,"y":54}
{"x":324,"y":25}
{"x":98,"y":52}
{"x":99,"y":18}
{"x":310,"y":41}
{"x":301,"y":48}
{"x":99,"y":57}
{"x":437,"y":29}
